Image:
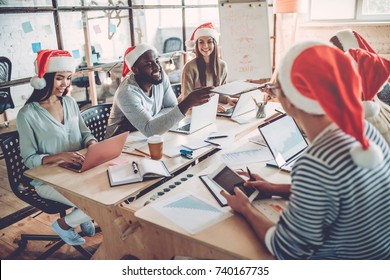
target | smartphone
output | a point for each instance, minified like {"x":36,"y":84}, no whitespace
{"x":228,"y":179}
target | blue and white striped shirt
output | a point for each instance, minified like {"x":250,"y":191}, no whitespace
{"x":337,"y":210}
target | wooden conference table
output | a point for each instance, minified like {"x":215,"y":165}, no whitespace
{"x":90,"y":191}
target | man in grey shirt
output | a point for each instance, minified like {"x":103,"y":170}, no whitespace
{"x":144,"y":100}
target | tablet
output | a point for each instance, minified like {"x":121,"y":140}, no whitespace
{"x":226,"y":178}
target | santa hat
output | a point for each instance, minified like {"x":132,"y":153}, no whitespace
{"x":374,"y":71}
{"x":350,"y":39}
{"x":132,"y":54}
{"x":320,"y":79}
{"x":50,"y":61}
{"x":206,"y":29}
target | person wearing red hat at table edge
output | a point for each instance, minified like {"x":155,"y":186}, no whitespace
{"x":339,"y":196}
{"x":374,"y":72}
{"x":349,"y":39}
{"x":207,"y":69}
{"x":144,"y":100}
{"x":51,"y":130}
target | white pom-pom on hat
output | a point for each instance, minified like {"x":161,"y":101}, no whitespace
{"x":190,"y":44}
{"x":369,"y":158}
{"x":371,"y":109}
{"x":38,"y":83}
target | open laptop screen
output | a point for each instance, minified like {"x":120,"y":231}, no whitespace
{"x":283,"y":138}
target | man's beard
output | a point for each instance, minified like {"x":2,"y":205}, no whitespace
{"x":141,"y":76}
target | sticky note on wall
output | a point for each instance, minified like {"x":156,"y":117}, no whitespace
{"x":76,"y":54}
{"x":27,"y":27}
{"x":36,"y":47}
{"x":97,"y":29}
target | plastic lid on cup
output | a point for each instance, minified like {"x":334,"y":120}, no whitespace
{"x":155,"y":139}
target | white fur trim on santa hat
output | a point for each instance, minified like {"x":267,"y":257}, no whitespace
{"x":308,"y":105}
{"x":347,"y":39}
{"x":38,"y":83}
{"x":60,"y":64}
{"x":139,"y":50}
{"x":369,"y":158}
{"x":371,"y":109}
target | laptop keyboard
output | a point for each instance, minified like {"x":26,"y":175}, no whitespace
{"x":185,"y":127}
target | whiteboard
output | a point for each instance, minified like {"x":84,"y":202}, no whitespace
{"x":245,"y":40}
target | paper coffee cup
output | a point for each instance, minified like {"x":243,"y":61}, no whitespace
{"x":155,"y":144}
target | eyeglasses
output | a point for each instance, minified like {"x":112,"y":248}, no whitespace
{"x":273,"y":90}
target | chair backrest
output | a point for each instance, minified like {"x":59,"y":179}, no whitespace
{"x":172,"y":44}
{"x":19,"y":183}
{"x":5,"y":76}
{"x":96,"y":118}
{"x":176,"y":89}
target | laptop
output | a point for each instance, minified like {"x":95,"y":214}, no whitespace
{"x":202,"y":116}
{"x":99,"y":153}
{"x":244,"y":104}
{"x":284,"y":139}
{"x":236,"y":87}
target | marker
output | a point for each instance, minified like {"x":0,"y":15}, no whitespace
{"x":217,"y":137}
{"x":271,"y":165}
{"x":135,"y":167}
{"x":251,"y":178}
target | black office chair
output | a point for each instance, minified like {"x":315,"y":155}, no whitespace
{"x":22,"y":188}
{"x":5,"y":93}
{"x":96,"y":119}
{"x":172,"y":44}
{"x":176,"y":89}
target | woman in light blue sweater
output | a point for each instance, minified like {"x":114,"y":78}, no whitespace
{"x":51,"y":130}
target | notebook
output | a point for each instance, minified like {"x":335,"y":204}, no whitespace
{"x":99,"y":153}
{"x":202,"y":116}
{"x":284,"y":139}
{"x":244,"y":104}
{"x":136,"y":171}
{"x":236,"y":87}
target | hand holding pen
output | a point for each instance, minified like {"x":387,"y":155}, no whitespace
{"x":251,"y":177}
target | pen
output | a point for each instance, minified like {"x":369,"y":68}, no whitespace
{"x":280,"y":111}
{"x":216,"y":144}
{"x":271,"y":165}
{"x":251,"y":178}
{"x":254,"y":100}
{"x":135,"y":167}
{"x":133,"y":154}
{"x":138,"y":150}
{"x":217,"y":137}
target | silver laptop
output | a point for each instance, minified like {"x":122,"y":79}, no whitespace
{"x":202,"y":116}
{"x":284,"y":139}
{"x":244,"y":104}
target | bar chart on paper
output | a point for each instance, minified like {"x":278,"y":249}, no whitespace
{"x":190,"y":212}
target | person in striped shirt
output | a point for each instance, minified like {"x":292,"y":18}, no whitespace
{"x":339,"y":197}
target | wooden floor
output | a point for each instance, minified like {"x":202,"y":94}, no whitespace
{"x":38,"y":223}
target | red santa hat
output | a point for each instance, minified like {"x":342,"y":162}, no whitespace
{"x":374,"y":71}
{"x":132,"y":54}
{"x":50,"y":61}
{"x":350,"y":39}
{"x":205,"y":29}
{"x":320,"y":79}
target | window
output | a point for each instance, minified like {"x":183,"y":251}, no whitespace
{"x":350,"y":10}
